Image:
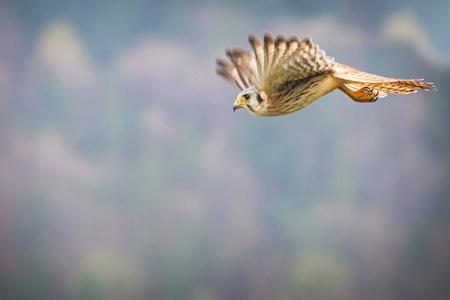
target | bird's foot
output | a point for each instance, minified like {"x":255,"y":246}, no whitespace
{"x":365,"y":95}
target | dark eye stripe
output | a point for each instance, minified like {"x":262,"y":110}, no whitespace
{"x":258,"y":97}
{"x":249,"y":107}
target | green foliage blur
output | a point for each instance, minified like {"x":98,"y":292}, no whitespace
{"x":125,"y":174}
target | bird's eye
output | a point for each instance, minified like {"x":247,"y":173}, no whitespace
{"x":246,"y":96}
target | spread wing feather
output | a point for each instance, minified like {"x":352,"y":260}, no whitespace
{"x":273,"y":63}
{"x":356,"y":80}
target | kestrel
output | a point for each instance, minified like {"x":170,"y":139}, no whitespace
{"x":283,"y":76}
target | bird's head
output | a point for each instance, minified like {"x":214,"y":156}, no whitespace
{"x":251,"y":100}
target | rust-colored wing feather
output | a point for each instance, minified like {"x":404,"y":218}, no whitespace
{"x":355,"y":80}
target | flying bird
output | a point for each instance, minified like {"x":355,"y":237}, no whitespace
{"x":281,"y":76}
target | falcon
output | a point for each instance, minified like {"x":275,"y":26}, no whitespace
{"x":281,"y":76}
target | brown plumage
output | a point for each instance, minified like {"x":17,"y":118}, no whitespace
{"x":282,"y":76}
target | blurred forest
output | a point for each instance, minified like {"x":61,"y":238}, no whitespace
{"x":125,"y":174}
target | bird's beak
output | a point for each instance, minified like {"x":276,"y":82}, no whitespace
{"x":237,"y":104}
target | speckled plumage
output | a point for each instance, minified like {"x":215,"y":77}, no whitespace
{"x":282,"y":76}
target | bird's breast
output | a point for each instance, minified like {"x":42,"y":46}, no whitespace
{"x":296,"y":95}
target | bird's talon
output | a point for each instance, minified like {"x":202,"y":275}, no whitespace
{"x":376,"y":96}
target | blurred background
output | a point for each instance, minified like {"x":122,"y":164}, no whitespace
{"x":125,"y":174}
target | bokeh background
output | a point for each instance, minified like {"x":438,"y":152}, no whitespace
{"x":125,"y":174}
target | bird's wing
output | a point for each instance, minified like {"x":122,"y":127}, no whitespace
{"x":279,"y":61}
{"x":355,"y":80}
{"x":239,"y":73}
{"x":273,"y":63}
